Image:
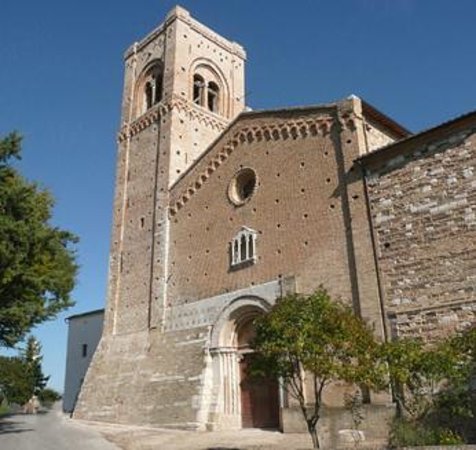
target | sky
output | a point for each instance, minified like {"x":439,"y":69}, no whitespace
{"x":61,"y":82}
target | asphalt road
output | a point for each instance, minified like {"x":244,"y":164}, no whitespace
{"x":49,"y":431}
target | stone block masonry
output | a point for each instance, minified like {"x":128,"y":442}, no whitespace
{"x":423,"y":207}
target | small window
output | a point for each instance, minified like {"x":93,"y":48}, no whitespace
{"x":158,"y":88}
{"x":151,"y":87}
{"x":85,"y":350}
{"x":153,"y":91}
{"x":148,"y":92}
{"x":212,"y":96}
{"x":243,"y":248}
{"x":198,"y":90}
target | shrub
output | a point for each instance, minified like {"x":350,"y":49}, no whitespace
{"x":48,"y":396}
{"x":405,"y":433}
{"x":4,"y":408}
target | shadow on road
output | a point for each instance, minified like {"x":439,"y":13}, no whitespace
{"x":223,"y":448}
{"x":21,"y":430}
{"x":10,"y":426}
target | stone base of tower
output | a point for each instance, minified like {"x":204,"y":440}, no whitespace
{"x":145,"y":378}
{"x":188,"y":376}
{"x":190,"y":379}
{"x":193,"y":374}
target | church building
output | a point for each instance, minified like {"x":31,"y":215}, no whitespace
{"x":220,"y":210}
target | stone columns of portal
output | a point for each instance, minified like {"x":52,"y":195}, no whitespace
{"x":227,"y":359}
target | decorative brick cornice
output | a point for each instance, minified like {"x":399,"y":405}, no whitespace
{"x":347,"y":120}
{"x":160,"y":110}
{"x":146,"y":120}
{"x":248,"y":134}
{"x":196,"y":112}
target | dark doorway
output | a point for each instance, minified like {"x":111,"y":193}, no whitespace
{"x":259,"y":399}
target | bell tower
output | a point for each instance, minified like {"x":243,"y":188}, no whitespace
{"x":183,"y":84}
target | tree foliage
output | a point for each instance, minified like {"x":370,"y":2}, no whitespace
{"x":419,"y":372}
{"x":48,"y":396}
{"x":15,"y":381}
{"x":312,"y":341}
{"x":37,"y":260}
{"x":22,"y":376}
{"x":33,"y":358}
{"x":433,"y":385}
{"x":422,"y":372}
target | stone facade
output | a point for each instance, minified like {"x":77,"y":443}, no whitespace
{"x":220,"y":211}
{"x":422,"y":199}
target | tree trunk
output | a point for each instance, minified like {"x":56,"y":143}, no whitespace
{"x":313,"y":432}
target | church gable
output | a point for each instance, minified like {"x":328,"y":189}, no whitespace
{"x":249,"y":128}
{"x":380,"y":130}
{"x":277,"y":176}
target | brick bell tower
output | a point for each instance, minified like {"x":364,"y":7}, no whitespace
{"x":183,"y":84}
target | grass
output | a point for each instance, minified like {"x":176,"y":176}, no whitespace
{"x":4,"y":409}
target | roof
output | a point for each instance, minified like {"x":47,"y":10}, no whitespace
{"x":408,"y":144}
{"x":251,"y":114}
{"x":85,"y":314}
{"x":378,"y":116}
{"x":370,"y":111}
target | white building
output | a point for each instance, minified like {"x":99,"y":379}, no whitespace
{"x":84,"y":333}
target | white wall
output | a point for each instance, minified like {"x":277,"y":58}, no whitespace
{"x":84,"y":329}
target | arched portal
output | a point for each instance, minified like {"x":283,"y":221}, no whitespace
{"x":259,"y":396}
{"x":242,"y":400}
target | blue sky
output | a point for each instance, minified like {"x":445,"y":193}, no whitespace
{"x":61,"y":82}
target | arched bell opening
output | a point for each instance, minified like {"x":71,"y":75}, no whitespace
{"x":209,"y":88}
{"x":149,"y":88}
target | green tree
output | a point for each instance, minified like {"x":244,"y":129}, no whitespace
{"x":33,"y":358}
{"x":37,"y":260}
{"x":22,"y":376}
{"x":433,"y":385}
{"x":310,"y":341}
{"x":48,"y":396}
{"x":419,"y":372}
{"x":458,"y":402}
{"x":15,"y":381}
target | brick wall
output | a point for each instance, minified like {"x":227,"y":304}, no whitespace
{"x":139,"y":375}
{"x":296,"y":210}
